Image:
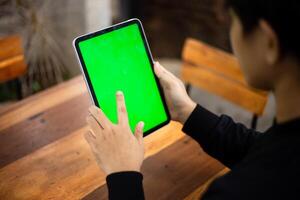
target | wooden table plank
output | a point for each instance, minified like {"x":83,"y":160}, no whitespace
{"x":48,"y":126}
{"x":43,"y":101}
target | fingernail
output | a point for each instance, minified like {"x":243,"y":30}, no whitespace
{"x":142,"y":124}
{"x":119,"y":92}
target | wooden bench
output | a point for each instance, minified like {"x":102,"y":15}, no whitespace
{"x":219,"y":72}
{"x":12,"y":61}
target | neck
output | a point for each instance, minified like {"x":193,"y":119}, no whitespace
{"x":287,"y":95}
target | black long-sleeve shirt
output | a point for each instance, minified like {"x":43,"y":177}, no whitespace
{"x":263,"y":165}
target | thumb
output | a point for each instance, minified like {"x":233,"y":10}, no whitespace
{"x":139,"y":131}
{"x":163,"y":75}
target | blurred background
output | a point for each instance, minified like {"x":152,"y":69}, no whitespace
{"x":45,"y":30}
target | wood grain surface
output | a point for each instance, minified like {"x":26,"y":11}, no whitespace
{"x":43,"y":154}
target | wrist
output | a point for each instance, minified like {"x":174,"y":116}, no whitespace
{"x":186,"y":111}
{"x":123,"y":169}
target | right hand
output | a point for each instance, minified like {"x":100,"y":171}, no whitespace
{"x":179,"y":103}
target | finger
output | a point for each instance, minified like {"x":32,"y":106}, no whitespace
{"x":90,"y":140}
{"x":94,"y":125}
{"x":122,"y":112}
{"x":161,"y":69}
{"x":164,"y":76}
{"x":89,"y":136}
{"x":92,"y":144}
{"x":91,"y":132}
{"x":99,"y":117}
{"x":139,"y":131}
{"x":158,"y":69}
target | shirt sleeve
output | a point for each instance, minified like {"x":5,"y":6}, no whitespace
{"x":220,"y":137}
{"x":125,"y":185}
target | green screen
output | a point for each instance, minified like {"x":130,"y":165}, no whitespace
{"x":118,"y":61}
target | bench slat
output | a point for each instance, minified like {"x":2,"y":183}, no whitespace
{"x":200,"y":54}
{"x":12,"y":61}
{"x":226,"y":88}
{"x":10,"y":46}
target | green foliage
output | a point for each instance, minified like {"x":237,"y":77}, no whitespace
{"x":8,"y":91}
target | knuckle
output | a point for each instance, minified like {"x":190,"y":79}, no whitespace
{"x":98,"y":112}
{"x":122,"y":109}
{"x":113,"y":132}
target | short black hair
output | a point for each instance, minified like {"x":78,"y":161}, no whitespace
{"x":283,"y":16}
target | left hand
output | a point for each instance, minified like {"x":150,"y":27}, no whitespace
{"x":114,"y":146}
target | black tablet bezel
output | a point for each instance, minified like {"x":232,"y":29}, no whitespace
{"x":149,"y":55}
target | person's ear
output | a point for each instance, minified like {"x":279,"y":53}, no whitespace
{"x":271,"y":42}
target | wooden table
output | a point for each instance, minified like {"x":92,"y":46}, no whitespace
{"x":43,"y":154}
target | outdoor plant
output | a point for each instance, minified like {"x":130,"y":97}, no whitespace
{"x":44,"y":55}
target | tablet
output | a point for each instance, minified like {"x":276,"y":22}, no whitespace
{"x":119,"y":58}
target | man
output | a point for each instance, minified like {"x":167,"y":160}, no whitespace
{"x":265,"y":39}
